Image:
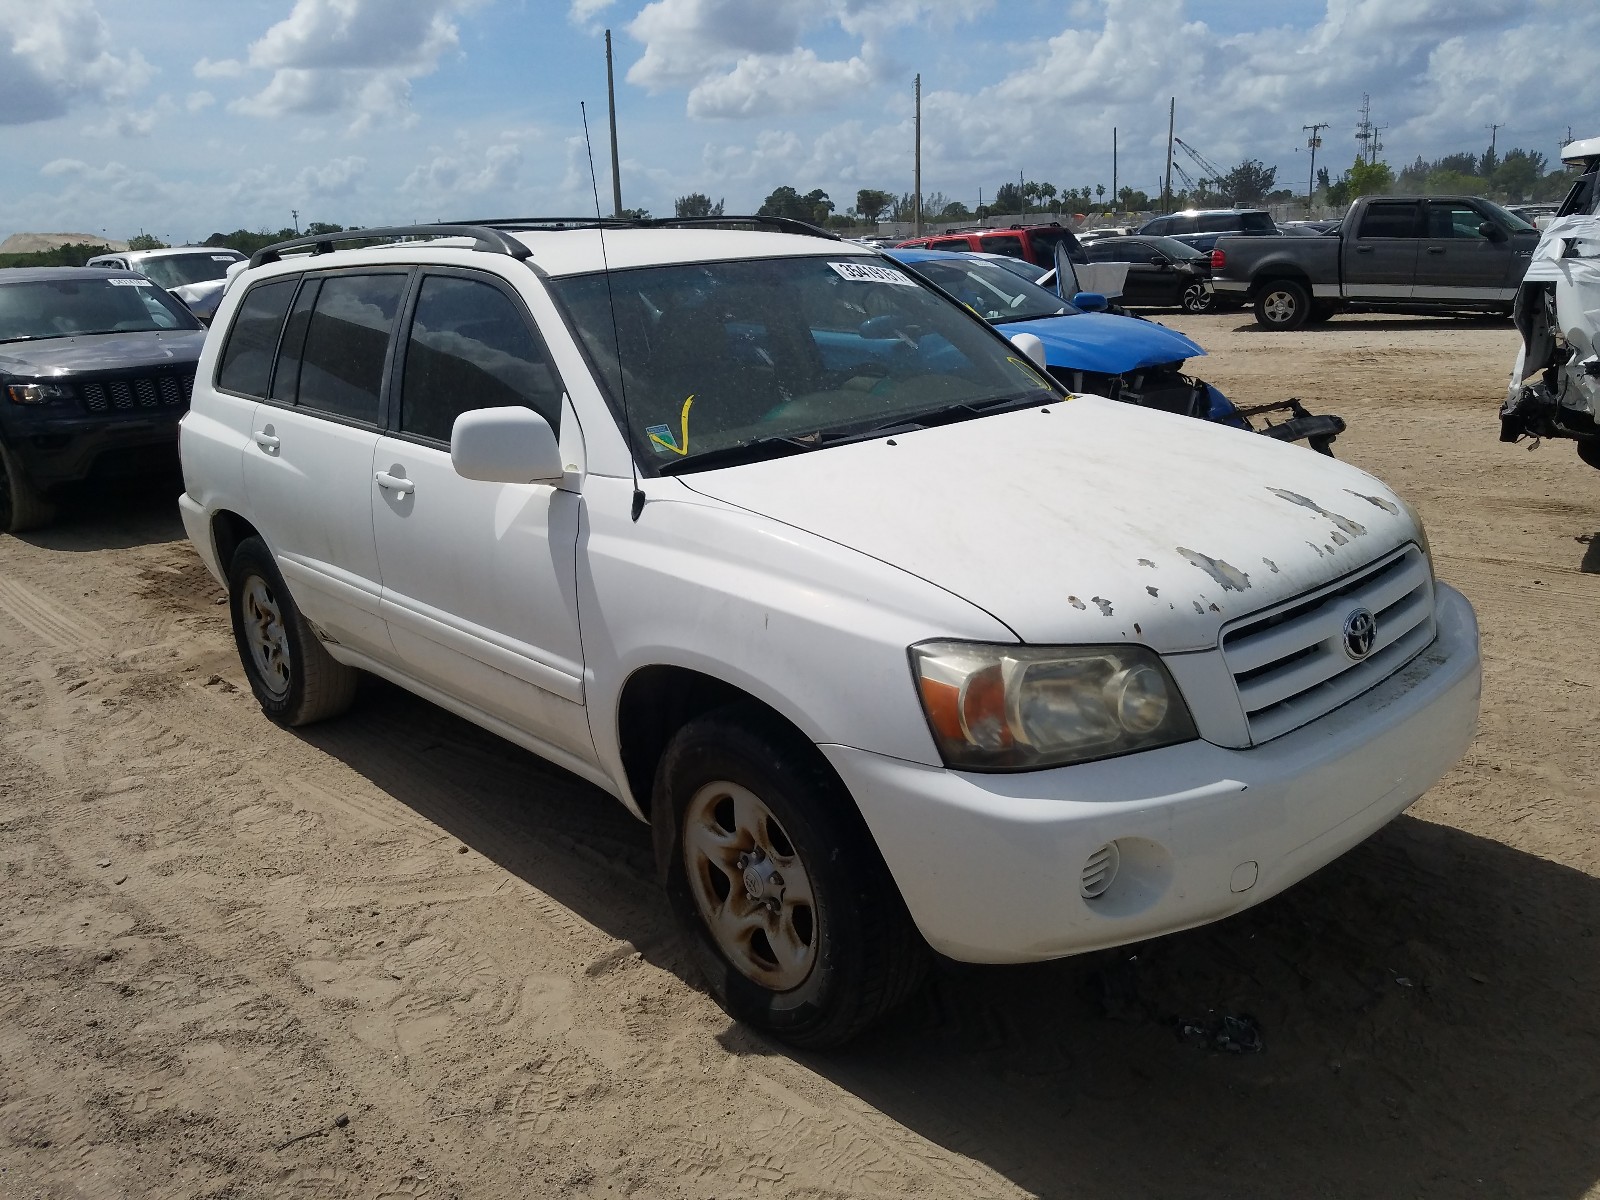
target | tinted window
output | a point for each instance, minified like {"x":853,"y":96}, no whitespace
{"x":1182,"y":225}
{"x":247,"y":359}
{"x":75,"y":304}
{"x":1117,"y":250}
{"x":1158,"y":226}
{"x":1256,"y":222}
{"x":286,"y":379}
{"x":1454,"y":221}
{"x":471,"y":348}
{"x":342,"y":365}
{"x":1004,"y":245}
{"x":1389,"y":219}
{"x":949,"y":244}
{"x":1045,"y":241}
{"x":1217,"y":223}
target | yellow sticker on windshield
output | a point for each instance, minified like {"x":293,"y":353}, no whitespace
{"x":1028,"y":369}
{"x":661,"y":435}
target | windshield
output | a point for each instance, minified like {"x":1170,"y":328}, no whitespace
{"x":717,"y":356}
{"x":49,"y":308}
{"x":1515,"y":223}
{"x":176,"y":270}
{"x":997,"y":295}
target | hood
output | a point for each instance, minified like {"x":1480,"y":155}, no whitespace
{"x":1088,"y":520}
{"x":190,"y":292}
{"x":1105,"y":342}
{"x":101,"y":352}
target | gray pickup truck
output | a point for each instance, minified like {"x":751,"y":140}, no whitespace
{"x":1397,"y":253}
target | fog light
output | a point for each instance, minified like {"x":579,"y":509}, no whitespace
{"x":1099,"y":870}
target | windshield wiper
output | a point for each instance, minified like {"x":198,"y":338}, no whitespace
{"x":965,"y":411}
{"x":756,"y":451}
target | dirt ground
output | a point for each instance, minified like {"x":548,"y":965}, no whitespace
{"x":390,"y":956}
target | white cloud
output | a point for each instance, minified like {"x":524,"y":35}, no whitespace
{"x":353,"y":57}
{"x":450,"y":176}
{"x":583,"y":12}
{"x":55,"y":54}
{"x":196,"y":101}
{"x":121,"y":121}
{"x":226,"y":68}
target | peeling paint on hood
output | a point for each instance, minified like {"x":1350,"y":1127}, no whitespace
{"x":1042,"y":518}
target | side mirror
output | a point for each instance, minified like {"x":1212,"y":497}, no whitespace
{"x":1491,"y":231}
{"x":1090,"y":302}
{"x":505,"y":445}
{"x":1032,"y":348}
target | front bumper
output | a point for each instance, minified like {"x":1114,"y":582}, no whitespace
{"x":56,"y":448}
{"x":991,"y":866}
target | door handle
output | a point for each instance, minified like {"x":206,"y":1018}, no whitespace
{"x":266,"y":441}
{"x":1435,"y":249}
{"x":395,"y":483}
{"x":1365,"y":249}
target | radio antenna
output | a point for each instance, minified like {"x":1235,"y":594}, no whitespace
{"x":611,"y":303}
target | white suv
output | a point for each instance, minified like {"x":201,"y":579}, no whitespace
{"x":194,"y":274}
{"x":895,"y":645}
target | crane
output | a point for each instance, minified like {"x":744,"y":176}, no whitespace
{"x":1210,"y":168}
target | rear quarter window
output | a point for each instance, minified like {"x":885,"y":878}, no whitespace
{"x":1256,"y":222}
{"x":253,"y":338}
{"x":1008,"y":245}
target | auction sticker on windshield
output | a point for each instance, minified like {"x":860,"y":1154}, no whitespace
{"x":871,"y":273}
{"x":130,"y":283}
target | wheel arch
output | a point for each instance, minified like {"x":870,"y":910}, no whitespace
{"x":228,"y":529}
{"x":1279,"y":274}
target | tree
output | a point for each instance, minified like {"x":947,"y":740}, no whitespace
{"x":954,"y":211}
{"x":1009,"y":198}
{"x":1366,"y":178}
{"x":1132,"y":200}
{"x":1488,"y":163}
{"x":145,"y":241}
{"x":1323,"y":182}
{"x":870,"y":203}
{"x":784,"y":201}
{"x":1100,"y":192}
{"x":1519,"y":173}
{"x":1247,"y":182}
{"x":636,"y":214}
{"x":696,"y":204}
{"x":317,"y":227}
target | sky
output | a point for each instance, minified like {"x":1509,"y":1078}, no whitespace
{"x":184,"y":117}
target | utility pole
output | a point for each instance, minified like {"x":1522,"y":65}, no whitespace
{"x":1022,"y":199}
{"x":1313,"y":142}
{"x":295,"y":213}
{"x":1113,"y":167}
{"x":1493,"y":130}
{"x":1167,"y":188}
{"x":611,"y":99}
{"x":916,"y":207}
{"x":1364,"y":133}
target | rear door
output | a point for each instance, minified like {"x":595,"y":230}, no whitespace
{"x":479,"y":579}
{"x":1380,"y":255}
{"x":308,"y":472}
{"x":1146,"y":283}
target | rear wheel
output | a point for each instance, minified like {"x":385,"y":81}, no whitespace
{"x":294,"y":679}
{"x":22,"y":506}
{"x":792,"y":916}
{"x":1283,"y":304}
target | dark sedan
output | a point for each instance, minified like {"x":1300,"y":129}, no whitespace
{"x":96,"y":367}
{"x":1165,"y":273}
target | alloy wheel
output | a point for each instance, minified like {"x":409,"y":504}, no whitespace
{"x":265,"y":635}
{"x":750,"y":886}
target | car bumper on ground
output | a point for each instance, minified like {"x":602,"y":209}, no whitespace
{"x":56,"y":450}
{"x":994,"y":867}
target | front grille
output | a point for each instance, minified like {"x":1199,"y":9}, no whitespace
{"x":168,"y":391}
{"x":1290,"y":662}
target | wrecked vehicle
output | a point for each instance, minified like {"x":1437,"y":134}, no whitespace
{"x":1110,"y":354}
{"x":1555,"y":385}
{"x":894,"y":644}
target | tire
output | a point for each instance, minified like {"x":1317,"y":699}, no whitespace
{"x":294,"y":679}
{"x":750,"y":824}
{"x":22,"y":506}
{"x":1283,"y":304}
{"x":1589,"y":452}
{"x":1196,"y":299}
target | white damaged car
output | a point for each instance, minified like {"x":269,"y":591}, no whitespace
{"x":896,"y":646}
{"x":1555,"y":384}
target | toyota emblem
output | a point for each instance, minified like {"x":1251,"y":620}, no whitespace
{"x":1360,"y":632}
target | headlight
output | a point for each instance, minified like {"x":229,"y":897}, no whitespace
{"x":39,"y":393}
{"x":1016,"y":708}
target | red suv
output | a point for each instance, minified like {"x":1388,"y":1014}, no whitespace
{"x":1031,"y":243}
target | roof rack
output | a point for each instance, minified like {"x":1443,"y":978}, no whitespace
{"x":776,"y":224}
{"x":484,"y":238}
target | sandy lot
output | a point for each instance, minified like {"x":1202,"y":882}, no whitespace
{"x":391,"y":956}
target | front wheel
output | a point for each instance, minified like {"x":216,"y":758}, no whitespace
{"x":22,"y":506}
{"x":792,"y":916}
{"x":294,"y":679}
{"x":1197,"y":298}
{"x":1283,"y":304}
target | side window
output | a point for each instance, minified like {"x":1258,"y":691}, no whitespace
{"x":341,"y":369}
{"x":1455,"y":221}
{"x":1009,"y":246}
{"x":247,"y":358}
{"x":948,"y":244}
{"x":471,"y":347}
{"x":1389,"y":219}
{"x":1217,"y":223}
{"x":1182,"y":225}
{"x":1161,"y":225}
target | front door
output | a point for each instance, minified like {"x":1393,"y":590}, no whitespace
{"x":308,"y":467}
{"x":479,"y":579}
{"x":1459,"y":262}
{"x":1380,"y":256}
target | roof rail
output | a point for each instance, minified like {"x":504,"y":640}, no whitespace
{"x":484,"y":238}
{"x":776,"y":224}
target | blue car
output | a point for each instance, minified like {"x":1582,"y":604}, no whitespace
{"x":1124,"y":357}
